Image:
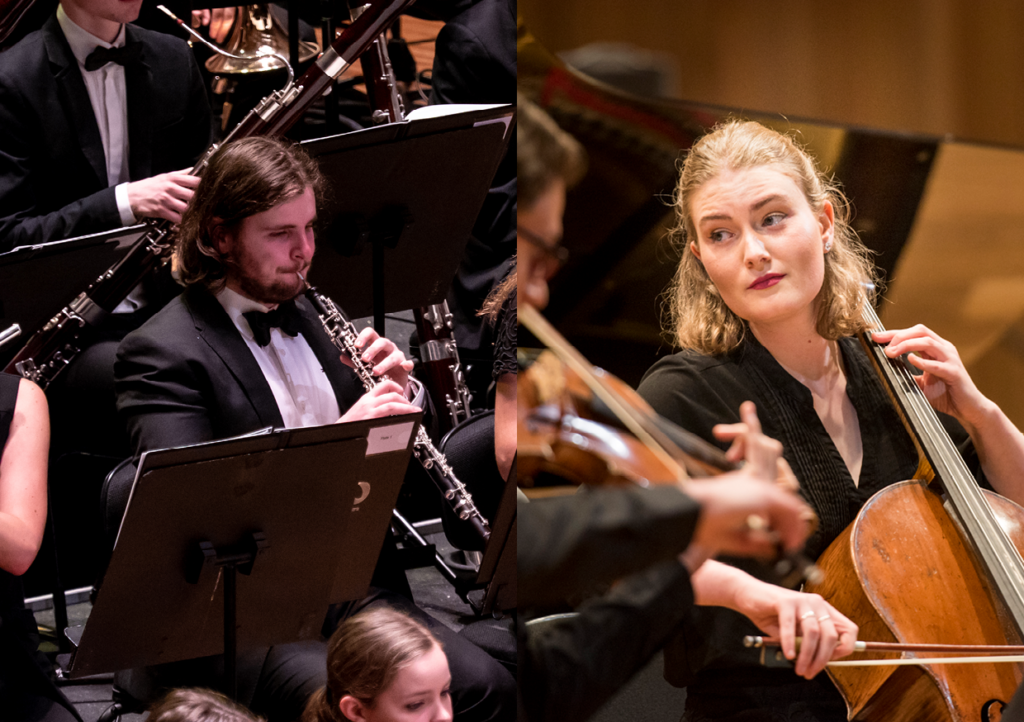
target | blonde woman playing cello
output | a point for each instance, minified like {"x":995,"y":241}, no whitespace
{"x":769,"y":289}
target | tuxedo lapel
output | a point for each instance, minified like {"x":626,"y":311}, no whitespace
{"x":74,"y":98}
{"x":138,"y":82}
{"x":215,"y":328}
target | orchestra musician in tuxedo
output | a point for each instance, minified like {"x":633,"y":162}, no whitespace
{"x":241,"y":349}
{"x":86,"y":145}
{"x":99,"y":122}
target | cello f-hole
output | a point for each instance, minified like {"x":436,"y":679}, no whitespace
{"x":986,"y":710}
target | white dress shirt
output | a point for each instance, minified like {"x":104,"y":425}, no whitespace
{"x":107,"y":95}
{"x":109,"y":104}
{"x":301,"y":388}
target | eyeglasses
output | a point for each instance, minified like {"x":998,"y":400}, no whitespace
{"x":556,"y":251}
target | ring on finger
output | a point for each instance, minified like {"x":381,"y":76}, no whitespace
{"x":807,"y":614}
{"x":823,"y":617}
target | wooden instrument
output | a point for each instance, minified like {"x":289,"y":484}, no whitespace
{"x":584,"y":451}
{"x":927,"y":565}
{"x":439,"y":355}
{"x":49,"y":350}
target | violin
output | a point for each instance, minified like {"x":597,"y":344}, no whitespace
{"x":585,"y":426}
{"x":572,"y":416}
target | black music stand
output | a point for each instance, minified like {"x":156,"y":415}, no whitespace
{"x":403,"y":202}
{"x":37,"y":281}
{"x":301,"y":512}
{"x":498,"y":567}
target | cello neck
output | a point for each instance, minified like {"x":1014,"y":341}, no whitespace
{"x":942,"y":461}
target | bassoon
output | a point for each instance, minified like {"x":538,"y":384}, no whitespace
{"x":48,"y":351}
{"x":439,"y":355}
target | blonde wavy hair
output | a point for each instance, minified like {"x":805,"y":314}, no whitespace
{"x":364,"y":656}
{"x":696,"y":316}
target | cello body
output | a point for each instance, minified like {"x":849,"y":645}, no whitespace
{"x":903,"y":572}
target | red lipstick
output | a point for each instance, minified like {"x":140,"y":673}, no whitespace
{"x":766,"y":281}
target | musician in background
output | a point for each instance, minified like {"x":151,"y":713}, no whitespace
{"x":501,"y":310}
{"x":240,"y":349}
{"x":99,"y":120}
{"x":771,"y":285}
{"x":383,"y":666}
{"x":198,"y":705}
{"x":549,"y":162}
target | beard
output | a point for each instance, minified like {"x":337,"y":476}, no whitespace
{"x":272,"y":293}
{"x":285,"y":285}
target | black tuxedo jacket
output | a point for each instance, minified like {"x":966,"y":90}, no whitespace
{"x":187,"y":376}
{"x":53,"y":177}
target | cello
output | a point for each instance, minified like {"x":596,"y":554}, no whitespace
{"x":925,"y":565}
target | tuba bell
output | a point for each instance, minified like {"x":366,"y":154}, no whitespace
{"x":257,"y":36}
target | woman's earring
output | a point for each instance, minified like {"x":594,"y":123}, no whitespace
{"x":828,"y":246}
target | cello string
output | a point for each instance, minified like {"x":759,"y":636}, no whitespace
{"x":987,"y":535}
{"x":955,"y":472}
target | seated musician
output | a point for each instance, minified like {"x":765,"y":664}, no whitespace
{"x":26,"y":691}
{"x":659,"y":536}
{"x":769,"y":289}
{"x":99,"y":120}
{"x":240,"y":349}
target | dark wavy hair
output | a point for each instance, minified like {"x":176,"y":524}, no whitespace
{"x":243,"y":178}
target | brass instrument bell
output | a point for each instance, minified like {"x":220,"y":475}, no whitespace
{"x":257,"y":36}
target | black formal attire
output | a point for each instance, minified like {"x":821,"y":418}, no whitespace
{"x":569,"y":668}
{"x":506,"y":333}
{"x":185,"y":377}
{"x":53,"y":177}
{"x":54,"y":185}
{"x":26,"y":691}
{"x":475,"y":62}
{"x":724,"y":680}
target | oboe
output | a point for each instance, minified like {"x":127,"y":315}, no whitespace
{"x":343,"y":335}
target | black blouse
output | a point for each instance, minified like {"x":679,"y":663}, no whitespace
{"x":505,"y":332}
{"x":697,"y":392}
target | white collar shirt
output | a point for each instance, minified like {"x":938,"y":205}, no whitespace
{"x":108,"y":96}
{"x":301,"y":388}
{"x":106,"y":87}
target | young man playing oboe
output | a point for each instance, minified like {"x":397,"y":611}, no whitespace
{"x":241,"y":349}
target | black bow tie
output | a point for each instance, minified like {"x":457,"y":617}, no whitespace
{"x":122,"y":56}
{"x":285,"y":317}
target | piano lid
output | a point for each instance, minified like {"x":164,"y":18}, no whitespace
{"x":946,"y":219}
